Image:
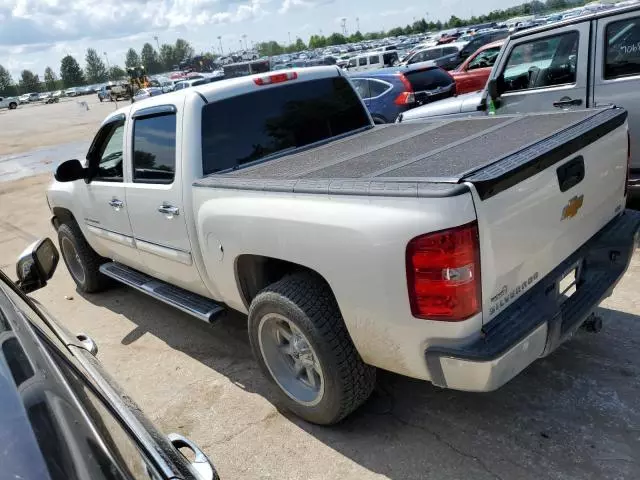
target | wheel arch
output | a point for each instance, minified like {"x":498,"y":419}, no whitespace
{"x":62,"y":215}
{"x":255,"y":272}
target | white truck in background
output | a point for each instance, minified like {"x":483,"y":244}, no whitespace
{"x":455,"y":252}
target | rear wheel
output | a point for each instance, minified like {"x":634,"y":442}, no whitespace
{"x":379,"y":120}
{"x":300,"y":341}
{"x":82,"y":261}
{"x":13,"y":106}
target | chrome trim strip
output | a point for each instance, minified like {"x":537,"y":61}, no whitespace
{"x":165,"y":252}
{"x":112,"y":236}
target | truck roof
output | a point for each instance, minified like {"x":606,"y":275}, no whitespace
{"x":574,"y":20}
{"x":211,"y":92}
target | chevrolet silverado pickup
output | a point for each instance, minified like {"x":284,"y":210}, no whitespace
{"x":584,"y":62}
{"x":455,"y":252}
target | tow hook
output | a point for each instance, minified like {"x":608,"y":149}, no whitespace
{"x":593,"y":324}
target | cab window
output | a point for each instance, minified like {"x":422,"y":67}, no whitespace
{"x":622,"y":49}
{"x":542,"y":63}
{"x":484,"y":59}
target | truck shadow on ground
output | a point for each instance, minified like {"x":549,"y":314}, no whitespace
{"x":574,"y":414}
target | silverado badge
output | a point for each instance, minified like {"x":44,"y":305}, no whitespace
{"x":571,"y":209}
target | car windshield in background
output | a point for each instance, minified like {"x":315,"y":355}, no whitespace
{"x":282,"y":119}
{"x":429,"y":79}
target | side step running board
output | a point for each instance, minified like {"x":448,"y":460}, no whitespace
{"x":191,"y":303}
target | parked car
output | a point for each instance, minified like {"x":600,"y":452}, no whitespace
{"x":71,"y":92}
{"x":391,"y":91}
{"x":372,"y":61}
{"x":58,"y":94}
{"x":474,"y":72}
{"x":479,"y":40}
{"x":33,"y":97}
{"x":24,"y":98}
{"x":43,"y":97}
{"x":445,"y":56}
{"x":352,"y":246}
{"x":104,"y":93}
{"x":9,"y":102}
{"x":147,"y":93}
{"x":547,"y":68}
{"x":62,"y":416}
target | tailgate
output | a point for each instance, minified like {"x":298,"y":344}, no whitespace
{"x":537,"y":206}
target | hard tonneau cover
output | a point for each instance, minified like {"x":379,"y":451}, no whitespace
{"x":428,"y":159}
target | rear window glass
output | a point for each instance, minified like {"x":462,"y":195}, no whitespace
{"x":622,"y":48}
{"x":282,"y":118}
{"x":431,"y":79}
{"x":154,"y":149}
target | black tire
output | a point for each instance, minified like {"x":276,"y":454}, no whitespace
{"x":307,"y":301}
{"x":378,"y":120}
{"x":13,"y":106}
{"x":91,"y":280}
{"x":100,"y":99}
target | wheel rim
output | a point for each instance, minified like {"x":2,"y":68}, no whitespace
{"x":72,"y":259}
{"x":291,"y":360}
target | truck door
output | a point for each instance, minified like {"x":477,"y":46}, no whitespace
{"x":154,"y":196}
{"x":545,"y":71}
{"x":103,"y":204}
{"x":617,"y":72}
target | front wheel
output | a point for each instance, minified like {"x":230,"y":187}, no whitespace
{"x":13,"y":106}
{"x":300,"y":341}
{"x":82,"y":261}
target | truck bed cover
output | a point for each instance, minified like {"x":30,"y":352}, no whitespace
{"x":428,"y":159}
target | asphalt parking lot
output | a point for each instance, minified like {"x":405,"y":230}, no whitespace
{"x":573,"y":415}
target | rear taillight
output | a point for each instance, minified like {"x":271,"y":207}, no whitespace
{"x":407,"y":97}
{"x":626,"y":180}
{"x":275,"y":78}
{"x":443,"y":274}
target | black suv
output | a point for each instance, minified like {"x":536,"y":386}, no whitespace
{"x":61,"y":415}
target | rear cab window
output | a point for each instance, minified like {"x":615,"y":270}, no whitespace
{"x":428,"y":79}
{"x":283,"y":118}
{"x":622,"y":48}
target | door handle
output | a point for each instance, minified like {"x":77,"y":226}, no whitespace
{"x":116,"y":204}
{"x":168,"y":210}
{"x":567,"y":102}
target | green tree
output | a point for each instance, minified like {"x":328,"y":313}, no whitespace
{"x":96,"y":72}
{"x":116,"y":73}
{"x":356,"y":37}
{"x":317,"y":41}
{"x":70,"y":72}
{"x":336,"y":39}
{"x":29,"y":82}
{"x":396,"y":32}
{"x":182,"y":50}
{"x":150,"y":60}
{"x":269,"y":49}
{"x":132,"y":59}
{"x":6,"y":82}
{"x":50,"y":78}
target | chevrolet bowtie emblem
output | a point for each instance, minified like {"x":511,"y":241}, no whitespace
{"x":571,"y":209}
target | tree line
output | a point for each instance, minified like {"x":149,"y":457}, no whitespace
{"x":419,"y":26}
{"x":96,"y":69}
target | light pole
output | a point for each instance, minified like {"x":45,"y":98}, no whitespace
{"x":108,"y":66}
{"x":240,"y":44}
{"x":155,"y":37}
{"x":244,"y":37}
{"x":358,"y":23}
{"x":220,"y":40}
{"x":289,"y":37}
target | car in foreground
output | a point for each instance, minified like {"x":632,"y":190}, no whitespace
{"x":455,"y":252}
{"x":9,"y":102}
{"x":473,"y":73}
{"x":389,"y":92}
{"x":62,"y":415}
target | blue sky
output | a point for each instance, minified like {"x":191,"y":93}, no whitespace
{"x":38,"y":33}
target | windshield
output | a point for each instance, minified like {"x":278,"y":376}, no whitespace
{"x":282,"y":118}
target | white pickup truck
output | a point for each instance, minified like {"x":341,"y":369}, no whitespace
{"x":455,"y":252}
{"x":9,"y":102}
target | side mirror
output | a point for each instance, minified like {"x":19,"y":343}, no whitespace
{"x":492,"y":88}
{"x":70,"y":171}
{"x":36,"y":265}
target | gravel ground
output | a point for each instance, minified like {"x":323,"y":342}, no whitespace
{"x":573,"y":415}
